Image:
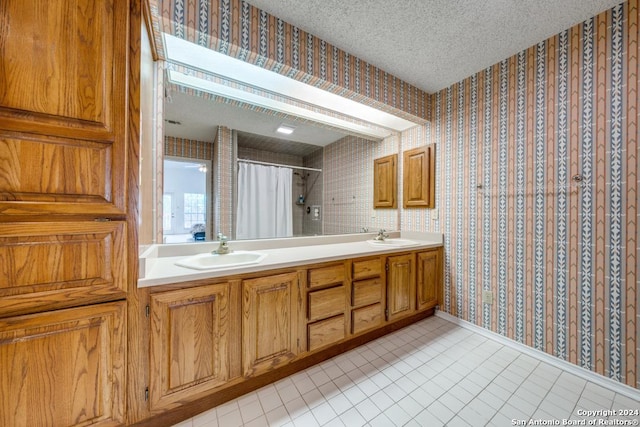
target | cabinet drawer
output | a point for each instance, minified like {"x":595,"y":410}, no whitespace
{"x":50,"y":265}
{"x":331,"y":275}
{"x":326,"y":303}
{"x":367,"y":268}
{"x":366,"y":292}
{"x":366,"y":318}
{"x":326,"y":332}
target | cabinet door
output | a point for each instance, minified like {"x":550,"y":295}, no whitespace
{"x":64,"y":368}
{"x":385,"y":182}
{"x":419,"y":179}
{"x":428,"y":279}
{"x":270,"y":308}
{"x":189,"y":343}
{"x":63,"y":106}
{"x":401,"y":281}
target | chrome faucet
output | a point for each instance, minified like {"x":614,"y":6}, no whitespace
{"x":381,"y":235}
{"x":224,"y":246}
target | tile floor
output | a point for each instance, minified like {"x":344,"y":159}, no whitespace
{"x":431,"y":373}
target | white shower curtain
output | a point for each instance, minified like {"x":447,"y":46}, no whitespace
{"x":265,"y":202}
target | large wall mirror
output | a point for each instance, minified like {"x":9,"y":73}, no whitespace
{"x":267,"y":166}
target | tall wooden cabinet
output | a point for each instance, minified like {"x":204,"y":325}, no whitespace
{"x":64,"y":367}
{"x":65,"y":209}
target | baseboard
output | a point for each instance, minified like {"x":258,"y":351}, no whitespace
{"x":579,"y":371}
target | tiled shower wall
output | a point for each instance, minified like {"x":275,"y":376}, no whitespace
{"x":314,"y":192}
{"x":538,"y":195}
{"x":348,"y":186}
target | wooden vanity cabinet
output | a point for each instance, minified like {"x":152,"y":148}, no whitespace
{"x":367,"y":294}
{"x":401,"y":288}
{"x":214,"y":341}
{"x":326,"y":305}
{"x":270,"y":319}
{"x":191,"y":342}
{"x":428,"y":278}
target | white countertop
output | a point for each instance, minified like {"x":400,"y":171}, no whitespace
{"x":158,"y":262}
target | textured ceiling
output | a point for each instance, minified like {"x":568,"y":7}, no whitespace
{"x":433,"y":43}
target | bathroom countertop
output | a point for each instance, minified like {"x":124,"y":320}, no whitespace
{"x":158,"y":264}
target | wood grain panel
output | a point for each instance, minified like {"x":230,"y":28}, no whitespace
{"x":269,"y":324}
{"x":326,"y":332}
{"x":64,"y":368}
{"x":366,"y":268}
{"x":366,"y":318}
{"x":46,"y":265}
{"x":365,"y":292}
{"x":428,"y":280}
{"x":189,"y":343}
{"x":401,"y":281}
{"x":385,"y":178}
{"x":54,"y":175}
{"x":419,"y":177}
{"x":324,"y":276}
{"x":325,"y":303}
{"x":63,"y":64}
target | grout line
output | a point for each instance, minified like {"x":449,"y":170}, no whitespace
{"x":579,"y":371}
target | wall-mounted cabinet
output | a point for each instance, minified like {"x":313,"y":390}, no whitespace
{"x":419,"y":179}
{"x":385,"y":172}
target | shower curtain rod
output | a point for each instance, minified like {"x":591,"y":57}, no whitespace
{"x":280,"y":165}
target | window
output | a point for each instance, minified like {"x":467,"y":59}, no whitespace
{"x":194,"y":209}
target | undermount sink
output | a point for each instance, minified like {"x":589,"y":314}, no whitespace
{"x":211,"y":261}
{"x":393,"y":242}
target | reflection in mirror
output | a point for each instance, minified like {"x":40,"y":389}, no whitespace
{"x":331,"y":176}
{"x":328,"y":158}
{"x":186,"y":190}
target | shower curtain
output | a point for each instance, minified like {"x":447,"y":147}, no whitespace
{"x":265,"y":202}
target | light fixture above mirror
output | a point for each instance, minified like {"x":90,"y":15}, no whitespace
{"x":273,"y":91}
{"x":285,"y":129}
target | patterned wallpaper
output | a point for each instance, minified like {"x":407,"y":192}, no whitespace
{"x":236,"y":28}
{"x":187,"y":148}
{"x":559,"y":256}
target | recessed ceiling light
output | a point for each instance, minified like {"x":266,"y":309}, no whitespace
{"x":285,"y":129}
